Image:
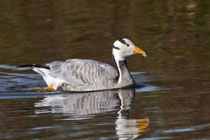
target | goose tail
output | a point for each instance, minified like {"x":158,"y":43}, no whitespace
{"x":45,"y":72}
{"x":34,"y":66}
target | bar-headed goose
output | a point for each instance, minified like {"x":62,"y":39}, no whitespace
{"x":90,"y":75}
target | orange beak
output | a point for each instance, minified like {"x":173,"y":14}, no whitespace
{"x":139,"y":51}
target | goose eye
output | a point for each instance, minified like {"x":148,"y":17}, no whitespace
{"x":128,"y":45}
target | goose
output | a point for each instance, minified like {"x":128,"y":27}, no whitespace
{"x":90,"y":75}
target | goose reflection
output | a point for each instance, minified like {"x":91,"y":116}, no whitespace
{"x":127,"y":128}
{"x":80,"y":106}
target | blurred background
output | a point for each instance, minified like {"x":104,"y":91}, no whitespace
{"x":174,"y":33}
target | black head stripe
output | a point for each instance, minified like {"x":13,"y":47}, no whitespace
{"x":122,"y":41}
{"x":116,"y":48}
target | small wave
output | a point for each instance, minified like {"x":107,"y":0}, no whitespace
{"x":192,"y":128}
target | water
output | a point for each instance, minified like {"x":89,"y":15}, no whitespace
{"x":171,"y":102}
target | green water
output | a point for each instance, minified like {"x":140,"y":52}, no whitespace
{"x":173,"y":102}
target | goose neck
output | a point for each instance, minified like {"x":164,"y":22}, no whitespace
{"x":124,"y":76}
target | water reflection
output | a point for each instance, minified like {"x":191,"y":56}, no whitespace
{"x":127,"y":128}
{"x":80,"y":106}
{"x":131,"y":128}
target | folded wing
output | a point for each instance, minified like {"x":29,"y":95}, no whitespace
{"x":80,"y":72}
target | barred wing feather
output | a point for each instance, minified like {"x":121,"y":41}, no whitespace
{"x":81,"y":72}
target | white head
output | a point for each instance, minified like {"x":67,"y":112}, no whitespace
{"x":124,"y":47}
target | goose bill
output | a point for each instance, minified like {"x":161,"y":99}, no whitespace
{"x":139,"y":51}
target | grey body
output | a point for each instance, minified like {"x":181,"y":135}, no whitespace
{"x":90,"y":75}
{"x":87,"y":75}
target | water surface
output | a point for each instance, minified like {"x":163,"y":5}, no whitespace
{"x":172,"y":101}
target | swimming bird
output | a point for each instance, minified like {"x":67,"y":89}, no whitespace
{"x":90,"y":75}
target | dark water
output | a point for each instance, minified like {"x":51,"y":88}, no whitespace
{"x":171,"y":103}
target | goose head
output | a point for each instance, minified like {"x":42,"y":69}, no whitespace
{"x":124,"y":47}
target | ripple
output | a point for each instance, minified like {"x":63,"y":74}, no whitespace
{"x":146,"y":88}
{"x":181,"y":130}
